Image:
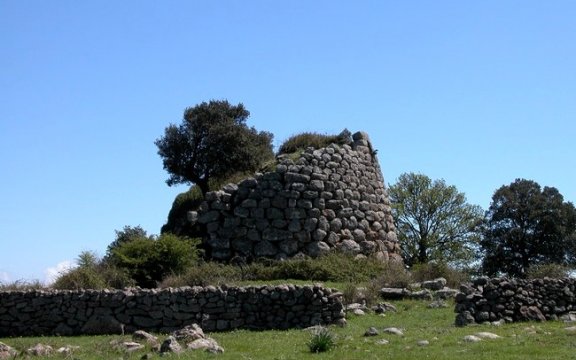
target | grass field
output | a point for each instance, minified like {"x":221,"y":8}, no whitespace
{"x":548,"y":340}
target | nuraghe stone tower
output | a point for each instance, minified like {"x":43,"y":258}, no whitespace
{"x":329,"y":199}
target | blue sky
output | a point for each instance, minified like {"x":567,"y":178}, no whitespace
{"x":477,"y":93}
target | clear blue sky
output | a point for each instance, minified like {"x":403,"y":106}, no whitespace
{"x":477,"y":93}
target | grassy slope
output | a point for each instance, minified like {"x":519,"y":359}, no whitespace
{"x":544,"y":340}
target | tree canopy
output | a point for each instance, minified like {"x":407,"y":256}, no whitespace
{"x":433,"y":221}
{"x":525,"y":226}
{"x":212,"y":142}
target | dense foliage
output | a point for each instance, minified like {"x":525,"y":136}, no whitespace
{"x":433,"y":220}
{"x":149,"y":259}
{"x":527,"y":225}
{"x":212,"y":142}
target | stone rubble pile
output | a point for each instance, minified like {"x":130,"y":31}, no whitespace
{"x":192,"y":336}
{"x":329,"y":198}
{"x":426,"y":290}
{"x":493,"y":300}
{"x":66,"y":312}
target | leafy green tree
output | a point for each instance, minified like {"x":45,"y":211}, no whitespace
{"x":127,"y":234}
{"x":212,"y":142}
{"x":526,"y":226}
{"x":433,"y":221}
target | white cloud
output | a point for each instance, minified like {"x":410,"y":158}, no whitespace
{"x":4,"y":277}
{"x":52,"y":273}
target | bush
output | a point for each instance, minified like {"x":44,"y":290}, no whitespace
{"x":331,"y":267}
{"x":556,"y":271}
{"x":311,"y":139}
{"x":322,"y":340}
{"x":21,"y":285}
{"x":393,"y":274}
{"x":433,"y":270}
{"x":203,"y":274}
{"x":148,"y":260}
{"x":92,"y":273}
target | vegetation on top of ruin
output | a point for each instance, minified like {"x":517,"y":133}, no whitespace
{"x":304,"y":140}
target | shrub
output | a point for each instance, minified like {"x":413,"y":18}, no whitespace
{"x":393,"y":274}
{"x":331,"y":267}
{"x":203,"y":274}
{"x":148,"y":259}
{"x":322,"y":340}
{"x":312,"y":139}
{"x":434,"y":270}
{"x":557,"y":271}
{"x":92,"y":273}
{"x":21,"y":285}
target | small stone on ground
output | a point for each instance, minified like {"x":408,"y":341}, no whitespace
{"x":394,"y":331}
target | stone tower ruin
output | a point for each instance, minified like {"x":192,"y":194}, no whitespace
{"x":328,"y":199}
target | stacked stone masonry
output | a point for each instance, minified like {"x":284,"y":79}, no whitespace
{"x":33,"y":313}
{"x":490,"y":300}
{"x":329,"y":198}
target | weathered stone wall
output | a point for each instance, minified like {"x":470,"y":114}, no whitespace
{"x":164,"y":310}
{"x":329,"y":198}
{"x":489,"y":300}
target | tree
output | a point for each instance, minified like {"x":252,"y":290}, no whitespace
{"x":526,"y":226}
{"x":127,"y":234}
{"x":433,"y":221}
{"x":212,"y":142}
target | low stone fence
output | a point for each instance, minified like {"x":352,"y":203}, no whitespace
{"x":490,"y":300}
{"x":65,"y":312}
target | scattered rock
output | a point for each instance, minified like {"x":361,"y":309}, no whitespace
{"x":394,"y":293}
{"x":206,"y":344}
{"x":384,"y":307}
{"x":358,"y":312}
{"x":571,"y":328}
{"x":382,"y":342}
{"x":170,"y":345}
{"x":570,"y":317}
{"x":372,"y":331}
{"x":472,"y":339}
{"x":40,"y":350}
{"x":189,"y":333}
{"x":498,"y":323}
{"x":446,"y":293}
{"x":354,"y":306}
{"x":423,"y":343}
{"x":394,"y":331}
{"x":66,"y":350}
{"x":532,"y":313}
{"x":7,"y":352}
{"x":436,"y":284}
{"x":487,"y":335}
{"x":144,"y":336}
{"x":131,"y":346}
{"x":424,"y":294}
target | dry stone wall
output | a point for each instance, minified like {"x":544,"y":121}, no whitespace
{"x":327,"y":199}
{"x":490,"y":300}
{"x":67,"y":312}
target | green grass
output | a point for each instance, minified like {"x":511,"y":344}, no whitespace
{"x":544,"y":340}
